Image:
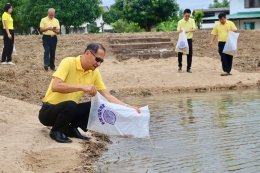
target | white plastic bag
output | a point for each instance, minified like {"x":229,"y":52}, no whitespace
{"x":231,"y":43}
{"x":114,"y":119}
{"x":182,"y":44}
{"x":14,"y":50}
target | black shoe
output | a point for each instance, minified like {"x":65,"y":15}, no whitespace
{"x":189,"y":71}
{"x":53,"y":68}
{"x":59,"y":137}
{"x":46,"y":68}
{"x":179,"y":70}
{"x":74,"y":133}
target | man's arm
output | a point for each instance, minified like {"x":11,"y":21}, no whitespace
{"x":60,"y":86}
{"x":45,"y":29}
{"x":113,"y":99}
{"x":213,"y":39}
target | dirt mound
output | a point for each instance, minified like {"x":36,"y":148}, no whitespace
{"x":28,"y":81}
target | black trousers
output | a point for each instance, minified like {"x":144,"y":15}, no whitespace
{"x":49,"y":44}
{"x":189,"y":56}
{"x":8,"y":46}
{"x":65,"y":114}
{"x":226,"y":59}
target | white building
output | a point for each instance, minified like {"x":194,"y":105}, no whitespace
{"x":211,"y":12}
{"x":244,"y":13}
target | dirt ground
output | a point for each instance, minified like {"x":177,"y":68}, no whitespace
{"x":25,"y":145}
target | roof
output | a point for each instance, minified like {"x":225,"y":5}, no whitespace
{"x":240,"y":15}
{"x":213,"y":9}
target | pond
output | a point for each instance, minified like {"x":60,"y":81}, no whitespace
{"x":192,"y":133}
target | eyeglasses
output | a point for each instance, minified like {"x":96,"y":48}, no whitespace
{"x":98,"y":59}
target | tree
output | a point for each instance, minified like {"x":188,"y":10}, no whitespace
{"x":217,"y":4}
{"x":68,"y":12}
{"x":18,"y":5}
{"x":115,"y":12}
{"x":146,"y":13}
{"x":198,"y":17}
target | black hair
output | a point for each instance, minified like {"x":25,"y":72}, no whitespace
{"x":221,"y":15}
{"x":94,"y":47}
{"x":7,"y":7}
{"x":187,"y":11}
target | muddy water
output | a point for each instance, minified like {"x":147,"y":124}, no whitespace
{"x":190,"y":133}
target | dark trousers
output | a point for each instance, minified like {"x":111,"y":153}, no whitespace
{"x":189,"y":56}
{"x":65,"y":114}
{"x":8,"y":46}
{"x":49,"y":44}
{"x":225,"y":58}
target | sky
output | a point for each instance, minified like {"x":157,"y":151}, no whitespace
{"x":192,"y":4}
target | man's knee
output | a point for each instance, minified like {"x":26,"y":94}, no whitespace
{"x":70,"y":105}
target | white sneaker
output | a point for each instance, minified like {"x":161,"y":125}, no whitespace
{"x":10,"y":63}
{"x":3,"y":63}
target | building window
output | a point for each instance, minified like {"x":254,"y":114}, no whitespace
{"x":249,"y":25}
{"x":252,"y":3}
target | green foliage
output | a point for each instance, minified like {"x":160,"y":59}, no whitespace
{"x":28,"y":13}
{"x":115,"y":12}
{"x":122,"y":26}
{"x":147,"y":13}
{"x":180,"y":14}
{"x":217,"y":4}
{"x":92,"y":28}
{"x":198,"y":17}
{"x":167,"y":26}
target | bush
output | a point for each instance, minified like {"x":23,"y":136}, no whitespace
{"x":121,"y":26}
{"x":167,"y":26}
{"x":92,"y":28}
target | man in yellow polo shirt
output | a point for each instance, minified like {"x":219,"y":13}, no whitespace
{"x":189,"y":26}
{"x":220,"y":31}
{"x":74,"y":77}
{"x":49,"y":27}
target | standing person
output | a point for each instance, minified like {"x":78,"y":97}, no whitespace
{"x":74,"y":77}
{"x":189,"y":26}
{"x":49,"y":27}
{"x":220,"y":30}
{"x":8,"y":34}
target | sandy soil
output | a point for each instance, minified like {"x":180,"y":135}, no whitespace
{"x":25,"y":145}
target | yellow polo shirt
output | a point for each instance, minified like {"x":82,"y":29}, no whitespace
{"x":71,"y":72}
{"x":47,"y":22}
{"x":7,"y":17}
{"x":221,"y":31}
{"x":187,"y":25}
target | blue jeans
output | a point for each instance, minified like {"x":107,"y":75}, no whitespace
{"x":49,"y":44}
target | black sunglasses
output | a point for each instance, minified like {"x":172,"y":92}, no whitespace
{"x":98,"y":59}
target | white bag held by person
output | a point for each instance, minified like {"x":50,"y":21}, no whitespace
{"x":114,"y":119}
{"x":231,"y":44}
{"x":182,"y":44}
{"x":14,"y":50}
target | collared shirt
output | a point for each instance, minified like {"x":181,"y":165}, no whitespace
{"x":71,"y":72}
{"x":7,"y":17}
{"x":187,"y":25}
{"x":47,"y":22}
{"x":221,"y":31}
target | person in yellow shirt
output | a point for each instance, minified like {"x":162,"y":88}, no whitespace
{"x":8,"y":33}
{"x":74,"y":77}
{"x":220,"y":31}
{"x":189,"y":26}
{"x":49,"y":27}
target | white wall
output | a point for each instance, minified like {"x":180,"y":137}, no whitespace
{"x":240,"y":23}
{"x":207,"y":25}
{"x":238,"y":6}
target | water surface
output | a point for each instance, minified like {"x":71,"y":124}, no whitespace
{"x":192,"y":133}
